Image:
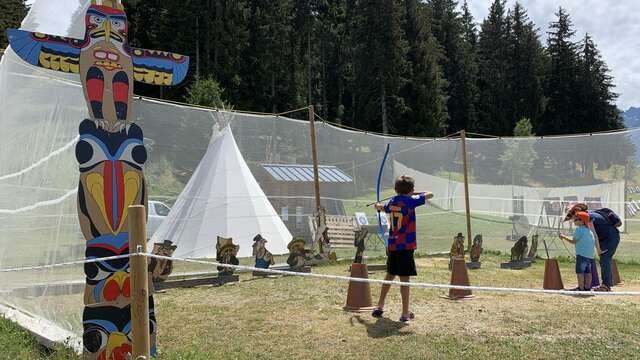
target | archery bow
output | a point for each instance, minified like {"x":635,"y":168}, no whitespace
{"x":384,"y":159}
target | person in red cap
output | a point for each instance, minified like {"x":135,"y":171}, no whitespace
{"x":585,"y":244}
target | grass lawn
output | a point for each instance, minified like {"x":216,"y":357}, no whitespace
{"x":435,"y":230}
{"x":16,"y":343}
{"x":293,"y":317}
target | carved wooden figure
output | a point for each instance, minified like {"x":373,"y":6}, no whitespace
{"x":359,"y":243}
{"x":111,"y":157}
{"x":160,"y":269}
{"x":457,"y":249}
{"x":476,"y":248}
{"x":297,"y":254}
{"x":264,"y":258}
{"x":226,"y":252}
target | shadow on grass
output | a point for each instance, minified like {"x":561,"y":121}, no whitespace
{"x":381,"y":327}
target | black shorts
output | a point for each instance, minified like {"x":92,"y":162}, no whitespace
{"x":401,"y":263}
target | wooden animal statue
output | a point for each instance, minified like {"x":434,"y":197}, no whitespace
{"x":160,"y":269}
{"x":111,"y":157}
{"x":226,"y":252}
{"x":533,"y":249}
{"x":264,"y":258}
{"x":519,"y":249}
{"x":457,"y":249}
{"x":476,"y":248}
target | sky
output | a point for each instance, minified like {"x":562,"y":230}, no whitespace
{"x":613,"y":25}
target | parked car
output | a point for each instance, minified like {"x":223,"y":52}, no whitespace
{"x":157,"y":213}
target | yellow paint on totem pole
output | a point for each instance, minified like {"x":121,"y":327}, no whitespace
{"x":132,"y":185}
{"x":95,"y":186}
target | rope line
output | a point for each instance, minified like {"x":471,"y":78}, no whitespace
{"x":68,"y":263}
{"x":334,"y":277}
{"x":399,"y":283}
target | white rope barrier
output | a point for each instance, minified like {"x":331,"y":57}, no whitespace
{"x":399,"y":283}
{"x":68,"y":263}
{"x":338,"y":277}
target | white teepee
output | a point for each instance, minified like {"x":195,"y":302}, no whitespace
{"x":222,"y":198}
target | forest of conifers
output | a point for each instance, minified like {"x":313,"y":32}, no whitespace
{"x":399,"y":66}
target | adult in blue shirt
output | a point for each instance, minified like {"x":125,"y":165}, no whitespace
{"x":608,"y":236}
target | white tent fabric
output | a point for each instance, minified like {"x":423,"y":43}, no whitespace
{"x":222,"y":198}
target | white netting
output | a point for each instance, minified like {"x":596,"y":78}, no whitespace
{"x":517,"y":186}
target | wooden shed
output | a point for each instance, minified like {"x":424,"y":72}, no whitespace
{"x":291,"y":192}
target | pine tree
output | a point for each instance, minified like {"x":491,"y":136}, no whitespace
{"x":271,"y":61}
{"x":493,"y":77}
{"x":527,"y":67}
{"x":519,"y":155}
{"x":329,"y":58}
{"x":562,"y":79}
{"x":11,"y":14}
{"x":597,"y":102}
{"x":426,"y":90}
{"x":226,"y":38}
{"x":457,"y":36}
{"x":380,"y":65}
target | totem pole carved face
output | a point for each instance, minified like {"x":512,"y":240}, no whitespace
{"x":111,"y":177}
{"x":107,"y":334}
{"x":106,"y":69}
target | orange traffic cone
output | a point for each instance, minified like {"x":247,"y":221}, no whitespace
{"x":552,"y":277}
{"x":615,"y":274}
{"x":459,"y":276}
{"x":359,"y":293}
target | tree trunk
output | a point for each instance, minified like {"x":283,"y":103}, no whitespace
{"x":383,"y":105}
{"x":273,"y":92}
{"x":197,"y":47}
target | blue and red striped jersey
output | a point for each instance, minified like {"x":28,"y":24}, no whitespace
{"x":402,"y":221}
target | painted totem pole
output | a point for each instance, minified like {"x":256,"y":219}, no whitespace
{"x":111,"y":155}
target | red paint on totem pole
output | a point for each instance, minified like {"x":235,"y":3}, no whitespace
{"x":113,"y":192}
{"x":111,"y":290}
{"x":120,"y":92}
{"x":108,"y":191}
{"x":122,"y":352}
{"x":120,"y":193}
{"x":95,"y":89}
{"x":126,"y":287}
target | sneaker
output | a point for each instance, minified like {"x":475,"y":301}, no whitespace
{"x":377,"y":312}
{"x":405,"y":319}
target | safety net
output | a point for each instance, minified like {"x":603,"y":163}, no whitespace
{"x":517,"y":186}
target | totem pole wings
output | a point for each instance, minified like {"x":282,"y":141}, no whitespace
{"x":111,"y":157}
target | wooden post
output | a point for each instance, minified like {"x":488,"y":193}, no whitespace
{"x":314,"y":154}
{"x":136,"y":217}
{"x":466,"y":187}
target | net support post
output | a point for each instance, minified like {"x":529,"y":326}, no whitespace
{"x":139,"y":282}
{"x":314,"y":155}
{"x":465,"y":166}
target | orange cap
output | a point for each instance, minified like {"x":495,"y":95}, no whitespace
{"x":583,"y":216}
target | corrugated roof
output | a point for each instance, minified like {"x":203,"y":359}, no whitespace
{"x":304,"y":173}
